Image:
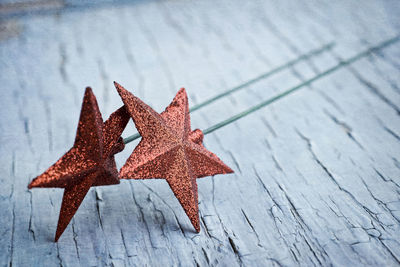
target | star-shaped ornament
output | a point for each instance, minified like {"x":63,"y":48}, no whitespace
{"x":170,"y":150}
{"x":90,"y":162}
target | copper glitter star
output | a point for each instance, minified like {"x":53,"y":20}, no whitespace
{"x":170,"y":150}
{"x":90,"y":162}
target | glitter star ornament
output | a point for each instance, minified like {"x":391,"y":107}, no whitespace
{"x":90,"y":162}
{"x":170,"y":150}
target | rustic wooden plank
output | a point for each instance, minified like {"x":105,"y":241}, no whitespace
{"x":316,"y":174}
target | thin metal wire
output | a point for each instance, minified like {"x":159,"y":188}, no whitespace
{"x":285,"y":93}
{"x":265,"y":75}
{"x":288,"y":64}
{"x":308,"y":82}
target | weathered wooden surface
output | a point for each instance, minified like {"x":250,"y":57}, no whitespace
{"x":317,"y":177}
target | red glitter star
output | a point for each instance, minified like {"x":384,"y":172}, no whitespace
{"x":170,"y":150}
{"x":90,"y":162}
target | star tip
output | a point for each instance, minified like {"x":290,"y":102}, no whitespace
{"x":196,"y":223}
{"x":59,"y":232}
{"x":57,"y":236}
{"x":182,"y":91}
{"x":33,"y":184}
{"x":120,"y":88}
{"x":89,"y":95}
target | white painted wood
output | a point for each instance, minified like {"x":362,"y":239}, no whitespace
{"x":317,"y":174}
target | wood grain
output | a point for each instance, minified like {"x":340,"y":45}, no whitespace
{"x":317,"y":174}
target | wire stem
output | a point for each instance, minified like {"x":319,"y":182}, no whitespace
{"x":265,"y":75}
{"x":285,"y":93}
{"x":293,"y":89}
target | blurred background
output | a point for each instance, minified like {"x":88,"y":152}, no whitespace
{"x":317,"y":173}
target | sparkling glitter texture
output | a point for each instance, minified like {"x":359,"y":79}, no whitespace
{"x":170,"y":150}
{"x":90,"y":162}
